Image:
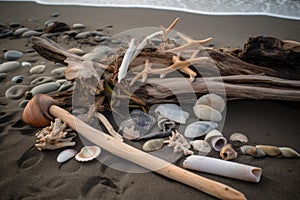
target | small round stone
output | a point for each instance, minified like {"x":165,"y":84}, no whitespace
{"x":37,"y":69}
{"x":61,"y":81}
{"x":76,"y":51}
{"x":31,"y":33}
{"x":78,"y":26}
{"x":45,"y":88}
{"x":59,"y":72}
{"x":66,"y":85}
{"x":83,"y":35}
{"x":26,"y":64}
{"x":14,"y":24}
{"x":5,"y":33}
{"x":12,"y":55}
{"x":20,"y":31}
{"x":16,"y":91}
{"x":41,"y":80}
{"x":23,"y":103}
{"x":55,"y":15}
{"x":9,"y":66}
{"x":18,"y":79}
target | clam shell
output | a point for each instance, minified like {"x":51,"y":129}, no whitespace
{"x":212,"y":100}
{"x":228,"y":153}
{"x":88,"y":153}
{"x":66,"y":155}
{"x":202,"y":146}
{"x":288,"y":152}
{"x":172,"y":112}
{"x":207,"y":113}
{"x":199,"y":128}
{"x":269,"y":150}
{"x":153,"y":145}
{"x":238,"y":137}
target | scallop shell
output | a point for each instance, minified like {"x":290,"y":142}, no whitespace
{"x":215,"y":139}
{"x":212,"y":100}
{"x":269,"y":150}
{"x":207,"y":113}
{"x":66,"y":155}
{"x":288,"y":152}
{"x":238,"y":137}
{"x":202,"y":146}
{"x":172,"y":112}
{"x":199,"y":128}
{"x":251,"y":150}
{"x":228,"y":153}
{"x":153,"y":145}
{"x":88,"y":153}
{"x":223,"y":168}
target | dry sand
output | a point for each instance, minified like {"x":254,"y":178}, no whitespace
{"x":26,"y":173}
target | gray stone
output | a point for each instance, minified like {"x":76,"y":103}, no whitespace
{"x":9,"y":66}
{"x":66,"y":85}
{"x":26,"y":64}
{"x":41,"y":80}
{"x":12,"y":55}
{"x":16,"y":91}
{"x":20,"y":31}
{"x":18,"y":79}
{"x":59,"y":72}
{"x":2,"y":76}
{"x":45,"y":88}
{"x":14,"y":24}
{"x":23,"y":103}
{"x":5,"y":33}
{"x":76,"y":51}
{"x":83,"y":35}
{"x":78,"y":26}
{"x":31,"y":33}
{"x":37,"y":69}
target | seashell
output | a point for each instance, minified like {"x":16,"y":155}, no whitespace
{"x":199,"y":128}
{"x":172,"y":112}
{"x":269,"y":150}
{"x":215,"y":139}
{"x":238,"y":137}
{"x":164,"y":123}
{"x":228,"y":153}
{"x":153,"y":145}
{"x":251,"y":150}
{"x":202,"y":146}
{"x":207,"y":113}
{"x":212,"y":100}
{"x":88,"y":153}
{"x":66,"y":155}
{"x":223,"y":168}
{"x":288,"y":152}
{"x":137,"y":125}
{"x":153,"y":135}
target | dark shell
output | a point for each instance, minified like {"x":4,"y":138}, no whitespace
{"x":156,"y":134}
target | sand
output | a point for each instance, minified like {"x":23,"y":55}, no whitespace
{"x":26,"y":173}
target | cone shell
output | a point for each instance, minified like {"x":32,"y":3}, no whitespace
{"x":269,"y":150}
{"x":212,"y":100}
{"x":228,"y":153}
{"x":207,"y":113}
{"x":88,"y":153}
{"x":288,"y":152}
{"x":153,"y":145}
{"x":238,"y":137}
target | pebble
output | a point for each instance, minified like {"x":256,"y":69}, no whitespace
{"x":20,"y":31}
{"x":26,"y":64}
{"x":55,"y":15}
{"x":97,"y":33}
{"x":18,"y":79}
{"x":37,"y":69}
{"x":76,"y":51}
{"x":59,"y":72}
{"x":41,"y":80}
{"x":2,"y":76}
{"x":9,"y":66}
{"x":71,"y":33}
{"x":57,"y":27}
{"x":78,"y":26}
{"x":83,"y":35}
{"x":49,"y":23}
{"x":45,"y":88}
{"x":102,"y":38}
{"x":23,"y":103}
{"x":31,"y":33}
{"x":5,"y":33}
{"x":61,"y":81}
{"x":12,"y":55}
{"x":66,"y":85}
{"x":16,"y":91}
{"x":14,"y":24}
{"x":2,"y":25}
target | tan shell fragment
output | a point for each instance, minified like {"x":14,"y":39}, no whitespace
{"x":238,"y":137}
{"x":251,"y":150}
{"x":288,"y":152}
{"x":269,"y":150}
{"x":228,"y":153}
{"x":88,"y":153}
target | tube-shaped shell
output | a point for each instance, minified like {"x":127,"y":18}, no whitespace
{"x":228,"y":153}
{"x":172,"y":112}
{"x":215,"y":139}
{"x":223,"y":168}
{"x":207,"y":113}
{"x":288,"y":152}
{"x":212,"y":100}
{"x":88,"y":153}
{"x":199,"y":128}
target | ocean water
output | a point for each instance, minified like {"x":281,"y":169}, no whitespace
{"x":278,"y":8}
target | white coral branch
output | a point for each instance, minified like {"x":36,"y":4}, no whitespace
{"x":179,"y":143}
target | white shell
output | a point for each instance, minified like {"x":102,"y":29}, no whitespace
{"x":153,"y":145}
{"x":238,"y":137}
{"x":288,"y":152}
{"x":223,"y":168}
{"x":88,"y":153}
{"x":172,"y":112}
{"x":228,"y":153}
{"x":207,"y":113}
{"x":199,"y":128}
{"x":215,"y":139}
{"x":66,"y":155}
{"x":212,"y":100}
{"x":202,"y":146}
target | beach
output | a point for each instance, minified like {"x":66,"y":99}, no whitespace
{"x":27,"y":173}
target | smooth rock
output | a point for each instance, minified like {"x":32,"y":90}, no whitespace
{"x":20,"y":31}
{"x":9,"y":66}
{"x":18,"y":79}
{"x":23,"y":103}
{"x":26,"y":64}
{"x":78,"y":26}
{"x":76,"y":51}
{"x":66,"y":85}
{"x":57,"y":27}
{"x":83,"y":35}
{"x":61,"y":81}
{"x":12,"y":55}
{"x":55,"y":15}
{"x":37,"y":69}
{"x":97,"y":33}
{"x":31,"y":33}
{"x":6,"y":33}
{"x":14,"y":24}
{"x":41,"y":80}
{"x":45,"y":88}
{"x":16,"y":91}
{"x":2,"y":76}
{"x":59,"y":72}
